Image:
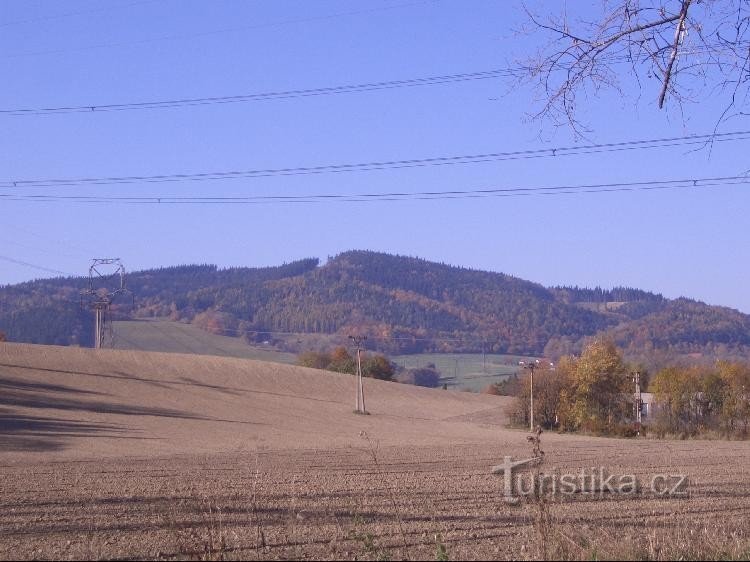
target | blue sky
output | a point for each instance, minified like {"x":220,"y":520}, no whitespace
{"x":678,"y":242}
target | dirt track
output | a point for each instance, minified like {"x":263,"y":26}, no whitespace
{"x":117,"y":454}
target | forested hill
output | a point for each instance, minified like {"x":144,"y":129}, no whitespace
{"x":404,"y":304}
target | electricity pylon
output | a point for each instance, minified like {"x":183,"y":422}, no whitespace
{"x":106,"y":282}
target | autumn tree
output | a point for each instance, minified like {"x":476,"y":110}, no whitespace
{"x":735,"y":409}
{"x":378,"y":367}
{"x":215,"y":322}
{"x":596,"y":395}
{"x":510,"y":386}
{"x":375,"y":366}
{"x":679,"y":50}
{"x":342,"y":361}
{"x":676,"y":390}
{"x":694,"y":399}
{"x":313,"y":359}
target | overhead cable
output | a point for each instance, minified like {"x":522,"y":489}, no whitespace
{"x":686,"y":183}
{"x":295,"y":93}
{"x":691,"y":140}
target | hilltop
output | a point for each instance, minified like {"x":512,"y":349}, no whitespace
{"x":405,"y":305}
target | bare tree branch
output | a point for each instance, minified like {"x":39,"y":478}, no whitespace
{"x":689,"y":46}
{"x":678,"y":33}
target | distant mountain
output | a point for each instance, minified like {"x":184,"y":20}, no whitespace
{"x":404,"y":304}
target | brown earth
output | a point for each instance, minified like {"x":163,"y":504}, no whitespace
{"x":129,"y":455}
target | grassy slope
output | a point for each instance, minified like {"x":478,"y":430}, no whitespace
{"x":176,"y":337}
{"x":465,"y":370}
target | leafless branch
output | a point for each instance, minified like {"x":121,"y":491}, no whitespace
{"x":678,"y":34}
{"x":689,"y":46}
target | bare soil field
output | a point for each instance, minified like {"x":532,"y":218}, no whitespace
{"x":116,"y":454}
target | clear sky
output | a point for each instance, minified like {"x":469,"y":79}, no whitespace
{"x":678,"y":242}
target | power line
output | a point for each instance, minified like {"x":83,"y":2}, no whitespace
{"x":217,"y":31}
{"x":37,"y":249}
{"x":298,"y":93}
{"x":72,"y":14}
{"x":263,"y":96}
{"x":49,"y":240}
{"x":687,"y":183}
{"x":34,"y":266}
{"x":691,"y":140}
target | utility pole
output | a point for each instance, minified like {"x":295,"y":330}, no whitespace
{"x":531,"y":365}
{"x":638,"y":403}
{"x":360,"y":402}
{"x":484,"y":358}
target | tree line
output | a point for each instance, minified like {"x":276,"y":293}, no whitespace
{"x":595,"y":392}
{"x":374,"y":365}
{"x":697,"y":400}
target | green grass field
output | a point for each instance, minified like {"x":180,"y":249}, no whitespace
{"x":471,"y":371}
{"x":460,"y":371}
{"x":176,"y":337}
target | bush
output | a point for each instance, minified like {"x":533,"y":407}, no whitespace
{"x":492,"y":389}
{"x":425,"y":376}
{"x":341,"y":361}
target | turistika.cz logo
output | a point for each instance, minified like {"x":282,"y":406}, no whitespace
{"x":591,"y":482}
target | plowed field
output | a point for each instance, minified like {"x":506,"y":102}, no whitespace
{"x":129,"y":455}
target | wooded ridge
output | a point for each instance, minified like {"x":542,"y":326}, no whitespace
{"x":405,"y":304}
